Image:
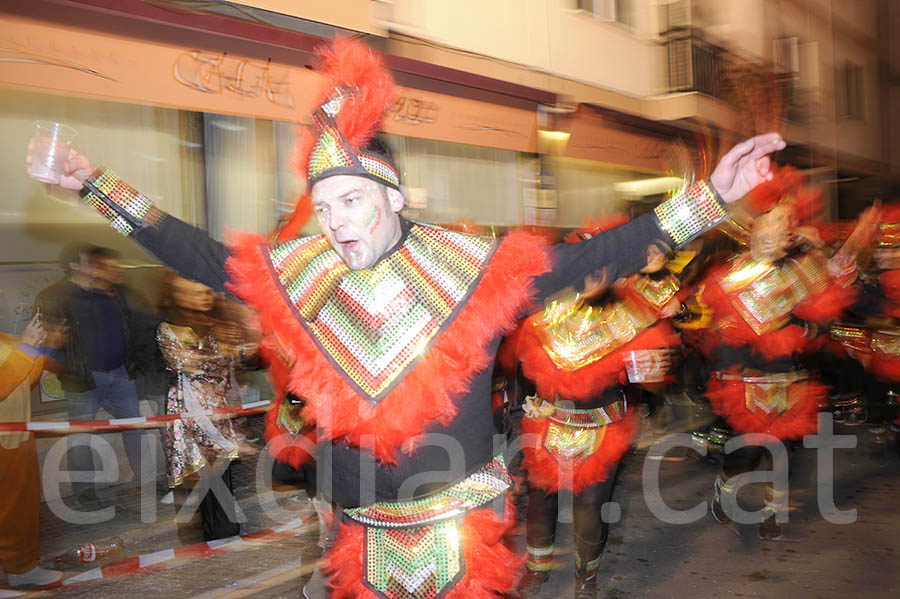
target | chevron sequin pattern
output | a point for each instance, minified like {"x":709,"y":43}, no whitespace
{"x":419,"y":562}
{"x":413,"y":549}
{"x":376,"y":323}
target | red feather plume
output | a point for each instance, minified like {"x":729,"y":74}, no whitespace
{"x":350,"y":63}
{"x":302,"y":211}
{"x":805,"y":202}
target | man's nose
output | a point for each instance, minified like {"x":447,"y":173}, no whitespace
{"x":336,"y":219}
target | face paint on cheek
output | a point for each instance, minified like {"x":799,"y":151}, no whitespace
{"x":373,"y":220}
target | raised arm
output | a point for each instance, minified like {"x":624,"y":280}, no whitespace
{"x":622,"y":251}
{"x":186,"y":249}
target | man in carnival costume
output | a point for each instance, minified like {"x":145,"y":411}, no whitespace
{"x":384,"y":331}
{"x":580,"y":351}
{"x":764,"y":304}
{"x":873,"y":337}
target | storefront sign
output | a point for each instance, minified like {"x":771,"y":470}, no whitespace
{"x":220,"y":73}
{"x":49,"y":57}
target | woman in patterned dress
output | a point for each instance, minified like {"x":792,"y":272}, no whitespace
{"x":200,"y":354}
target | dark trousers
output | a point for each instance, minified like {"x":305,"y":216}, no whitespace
{"x":590,"y":529}
{"x":215,"y":512}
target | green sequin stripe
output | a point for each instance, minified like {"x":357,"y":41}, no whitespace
{"x":459,"y":273}
{"x":432,"y":240}
{"x":477,"y":489}
{"x":316,"y":265}
{"x":377,"y":342}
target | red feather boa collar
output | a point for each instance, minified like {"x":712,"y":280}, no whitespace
{"x":584,"y":383}
{"x":425,"y":396}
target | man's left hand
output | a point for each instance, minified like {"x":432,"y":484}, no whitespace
{"x":745,"y":166}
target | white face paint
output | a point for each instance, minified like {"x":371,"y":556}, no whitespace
{"x":359,"y":217}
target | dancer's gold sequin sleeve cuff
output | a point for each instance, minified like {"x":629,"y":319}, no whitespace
{"x":127,"y":209}
{"x":691,"y":213}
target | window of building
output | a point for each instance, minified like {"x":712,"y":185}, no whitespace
{"x":849,"y":95}
{"x":618,"y":11}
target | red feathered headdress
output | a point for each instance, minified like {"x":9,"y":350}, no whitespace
{"x":787,"y":187}
{"x":356,"y":93}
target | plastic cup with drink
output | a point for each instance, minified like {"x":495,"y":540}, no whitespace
{"x":646,"y":366}
{"x":50,"y":148}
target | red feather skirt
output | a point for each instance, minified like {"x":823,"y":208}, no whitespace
{"x":728,"y":400}
{"x":547,"y":474}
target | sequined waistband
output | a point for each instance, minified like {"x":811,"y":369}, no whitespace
{"x":590,"y":418}
{"x":775,"y":378}
{"x":480,"y":487}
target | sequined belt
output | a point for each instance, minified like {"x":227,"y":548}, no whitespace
{"x":590,"y":418}
{"x":573,"y":435}
{"x":413,"y":549}
{"x":769,"y":393}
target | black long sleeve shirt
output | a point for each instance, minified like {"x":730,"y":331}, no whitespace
{"x":351,"y":476}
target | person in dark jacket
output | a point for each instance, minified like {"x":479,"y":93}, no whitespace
{"x":110,"y":340}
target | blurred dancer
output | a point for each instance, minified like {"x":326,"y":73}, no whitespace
{"x":21,"y":363}
{"x":764,"y":304}
{"x":579,"y":352}
{"x":386,"y":330}
{"x":873,"y":336}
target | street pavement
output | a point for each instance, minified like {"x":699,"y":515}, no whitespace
{"x":644,"y":558}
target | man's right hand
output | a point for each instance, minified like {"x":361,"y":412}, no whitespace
{"x":75,"y":170}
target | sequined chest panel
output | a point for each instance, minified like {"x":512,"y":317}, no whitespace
{"x":656,"y":292}
{"x":574,"y":338}
{"x":414,"y":549}
{"x":374,"y":324}
{"x":766,"y":294}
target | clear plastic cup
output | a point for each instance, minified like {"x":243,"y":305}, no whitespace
{"x":50,"y":149}
{"x":644,"y":366}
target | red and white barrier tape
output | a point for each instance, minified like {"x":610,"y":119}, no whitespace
{"x":134,"y":564}
{"x":72,"y":426}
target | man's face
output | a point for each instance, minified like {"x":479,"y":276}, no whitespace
{"x":108,"y":271}
{"x":359,"y":218}
{"x":770,"y":238}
